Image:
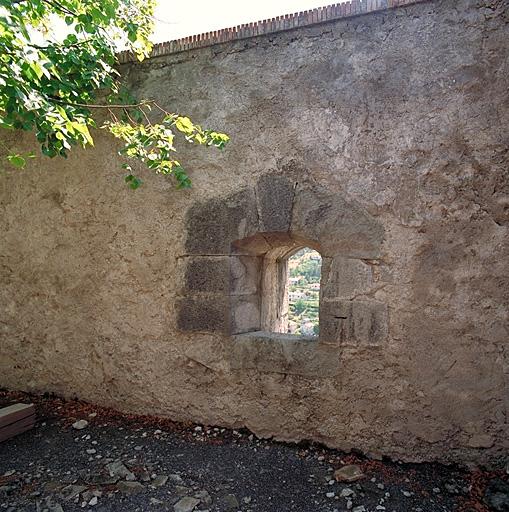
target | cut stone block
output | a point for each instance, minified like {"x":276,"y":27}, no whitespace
{"x":275,"y":202}
{"x":339,"y":226}
{"x":345,"y":278}
{"x":333,"y":321}
{"x":237,"y":275}
{"x":208,"y":274}
{"x":245,"y":275}
{"x":353,"y":322}
{"x":245,"y":313}
{"x":208,"y":313}
{"x":214,"y":224}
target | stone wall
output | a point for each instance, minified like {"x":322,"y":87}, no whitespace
{"x":380,"y":140}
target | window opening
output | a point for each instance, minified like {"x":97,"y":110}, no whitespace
{"x":305,"y":270}
{"x":260,"y":284}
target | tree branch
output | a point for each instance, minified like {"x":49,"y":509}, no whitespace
{"x":57,"y":5}
{"x":85,"y":105}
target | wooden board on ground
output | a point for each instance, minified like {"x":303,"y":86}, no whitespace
{"x":16,"y":419}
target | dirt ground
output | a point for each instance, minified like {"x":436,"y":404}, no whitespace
{"x":121,"y":462}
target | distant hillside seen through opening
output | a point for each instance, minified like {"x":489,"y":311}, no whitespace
{"x":305,"y":268}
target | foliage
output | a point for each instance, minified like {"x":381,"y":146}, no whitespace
{"x":51,"y":88}
{"x":299,"y":307}
{"x":310,"y":269}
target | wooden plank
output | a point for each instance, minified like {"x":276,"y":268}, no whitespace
{"x":16,"y":419}
{"x":14,"y":413}
{"x":17,"y":428}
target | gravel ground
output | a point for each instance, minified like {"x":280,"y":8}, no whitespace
{"x":133,"y":463}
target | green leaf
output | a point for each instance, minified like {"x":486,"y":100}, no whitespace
{"x":83,"y":129}
{"x":16,"y":160}
{"x":184,"y":124}
{"x":6,"y":123}
{"x":136,"y":182}
{"x":109,"y":10}
{"x":37,"y":69}
{"x":71,"y":38}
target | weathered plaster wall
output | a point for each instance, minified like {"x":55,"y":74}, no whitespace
{"x":402,"y":112}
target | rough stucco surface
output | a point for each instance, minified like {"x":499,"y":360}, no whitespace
{"x":404,"y":112}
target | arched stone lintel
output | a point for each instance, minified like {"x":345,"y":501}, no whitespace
{"x":341,"y":227}
{"x":311,"y":213}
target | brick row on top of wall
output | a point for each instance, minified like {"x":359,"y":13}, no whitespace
{"x":270,"y":26}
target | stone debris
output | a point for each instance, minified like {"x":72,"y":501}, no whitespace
{"x":144,"y":476}
{"x":117,"y":468}
{"x":80,"y":425}
{"x":186,"y":504}
{"x":52,"y":486}
{"x":204,"y":497}
{"x":176,"y":479}
{"x":159,"y":481}
{"x":231,"y":501}
{"x":131,"y":487}
{"x":69,"y":492}
{"x":350,"y":473}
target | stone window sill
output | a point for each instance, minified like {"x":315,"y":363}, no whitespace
{"x":291,"y":354}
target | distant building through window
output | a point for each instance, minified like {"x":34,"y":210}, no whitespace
{"x":305,"y":270}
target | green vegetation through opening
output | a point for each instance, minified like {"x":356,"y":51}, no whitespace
{"x":304,"y":292}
